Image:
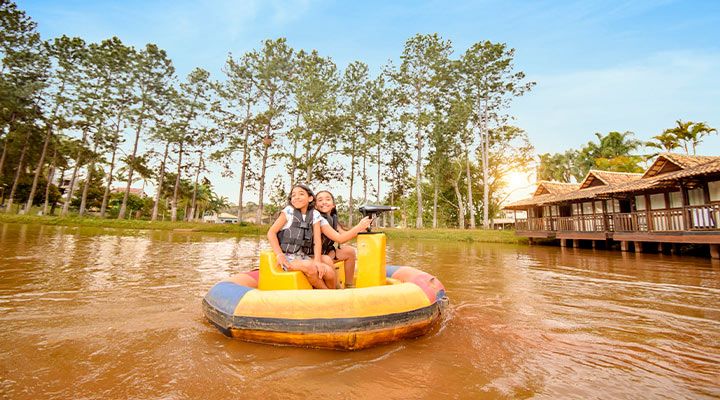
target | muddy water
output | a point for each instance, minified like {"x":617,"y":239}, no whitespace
{"x":88,"y":313}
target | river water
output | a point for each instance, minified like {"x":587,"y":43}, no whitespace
{"x":100,"y":313}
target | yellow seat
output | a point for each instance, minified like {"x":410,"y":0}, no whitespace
{"x":340,"y":273}
{"x":272,"y":276}
{"x":371,"y":260}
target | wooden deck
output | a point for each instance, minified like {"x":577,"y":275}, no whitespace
{"x":686,"y":225}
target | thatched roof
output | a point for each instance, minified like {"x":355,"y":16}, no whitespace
{"x":667,"y":170}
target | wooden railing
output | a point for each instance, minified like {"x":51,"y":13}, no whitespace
{"x":691,"y":218}
{"x":703,"y":218}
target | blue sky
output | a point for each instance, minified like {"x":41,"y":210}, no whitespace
{"x":599,"y":65}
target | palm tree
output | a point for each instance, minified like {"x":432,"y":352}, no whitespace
{"x":690,"y":133}
{"x":666,"y":142}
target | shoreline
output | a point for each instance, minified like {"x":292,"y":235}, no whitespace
{"x":464,"y":235}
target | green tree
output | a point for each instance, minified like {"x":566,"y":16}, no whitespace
{"x":490,"y":82}
{"x":561,"y":167}
{"x":424,"y":61}
{"x":356,"y":110}
{"x":611,"y":153}
{"x":234,"y":118}
{"x":316,"y":86}
{"x":272,"y":69}
{"x":690,"y":133}
{"x":154,"y":72}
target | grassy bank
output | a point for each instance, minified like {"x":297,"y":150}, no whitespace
{"x":477,"y":235}
{"x":456,"y":235}
{"x":249,"y":230}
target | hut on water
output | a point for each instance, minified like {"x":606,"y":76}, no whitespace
{"x":676,"y":201}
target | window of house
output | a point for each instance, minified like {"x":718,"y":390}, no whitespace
{"x":616,"y":205}
{"x":576,"y":210}
{"x":657,"y":201}
{"x":714,"y":190}
{"x":696,"y":196}
{"x":554,"y":211}
{"x":640,"y":203}
{"x":587,"y":207}
{"x":598,"y":207}
{"x":676,"y":200}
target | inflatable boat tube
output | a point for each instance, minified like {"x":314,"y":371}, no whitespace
{"x":349,"y":319}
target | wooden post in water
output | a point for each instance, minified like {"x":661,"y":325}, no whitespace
{"x":638,"y":247}
{"x":576,"y":243}
{"x":661,"y":248}
{"x":563,"y":242}
{"x":624,"y":245}
{"x":715,"y":251}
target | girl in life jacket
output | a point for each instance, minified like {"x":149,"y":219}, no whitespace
{"x":295,"y":237}
{"x":333,"y":232}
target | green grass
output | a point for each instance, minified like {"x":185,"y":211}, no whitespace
{"x":249,"y":230}
{"x":457,"y":235}
{"x":454,"y":235}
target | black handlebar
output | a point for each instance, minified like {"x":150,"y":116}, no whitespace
{"x":372,"y":211}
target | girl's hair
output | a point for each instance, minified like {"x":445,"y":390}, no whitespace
{"x":334,"y":210}
{"x":306,"y":188}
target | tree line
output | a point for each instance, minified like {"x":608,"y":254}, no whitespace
{"x":434,"y":127}
{"x":620,"y":152}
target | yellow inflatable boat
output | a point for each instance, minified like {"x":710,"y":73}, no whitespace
{"x":272,"y":306}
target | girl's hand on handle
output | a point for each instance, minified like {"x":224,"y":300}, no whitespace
{"x":364,"y":224}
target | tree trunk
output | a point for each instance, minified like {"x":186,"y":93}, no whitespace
{"x":71,"y":189}
{"x":471,"y":208}
{"x":243,"y":169}
{"x":379,"y":164}
{"x":48,"y":135}
{"x":161,"y":180}
{"x":90,"y":170}
{"x":418,"y":169}
{"x":18,"y":172}
{"x":106,"y":195}
{"x":51,"y":175}
{"x":5,"y":144}
{"x":365,"y":176}
{"x":173,"y":213}
{"x":4,"y":152}
{"x":62,"y":179}
{"x":266,"y":147}
{"x":351,"y":205}
{"x":259,"y":213}
{"x":392,"y":203}
{"x":195,"y":187}
{"x":123,"y":206}
{"x":486,"y":173}
{"x":435,"y":203}
{"x":461,"y":205}
{"x":308,"y":168}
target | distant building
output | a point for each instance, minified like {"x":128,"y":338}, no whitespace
{"x":136,"y":191}
{"x":222,"y":218}
{"x":676,"y":200}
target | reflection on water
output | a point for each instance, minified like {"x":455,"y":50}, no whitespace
{"x":105,"y":313}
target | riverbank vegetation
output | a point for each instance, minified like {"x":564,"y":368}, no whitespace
{"x":456,"y":235}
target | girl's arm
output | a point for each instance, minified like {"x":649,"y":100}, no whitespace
{"x":317,"y":249}
{"x":317,"y":242}
{"x":273,"y":239}
{"x":346,"y":235}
